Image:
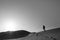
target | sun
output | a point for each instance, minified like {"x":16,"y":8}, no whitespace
{"x":10,"y":25}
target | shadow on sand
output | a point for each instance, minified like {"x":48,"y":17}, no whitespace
{"x":14,"y":34}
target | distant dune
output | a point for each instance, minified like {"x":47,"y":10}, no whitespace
{"x":53,"y":34}
{"x":14,"y":34}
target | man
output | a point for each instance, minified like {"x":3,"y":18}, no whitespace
{"x":44,"y":27}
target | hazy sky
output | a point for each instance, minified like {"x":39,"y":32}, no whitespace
{"x":29,"y":14}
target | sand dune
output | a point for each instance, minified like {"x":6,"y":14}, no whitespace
{"x":53,"y":34}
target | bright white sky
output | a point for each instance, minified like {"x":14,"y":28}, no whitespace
{"x":29,"y":14}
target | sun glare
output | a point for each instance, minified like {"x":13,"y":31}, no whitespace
{"x":10,"y":25}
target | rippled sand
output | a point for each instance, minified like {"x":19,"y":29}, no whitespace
{"x":53,"y":34}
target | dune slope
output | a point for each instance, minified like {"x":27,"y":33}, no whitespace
{"x":53,"y":34}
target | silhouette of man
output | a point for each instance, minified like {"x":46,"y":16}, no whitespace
{"x":44,"y":27}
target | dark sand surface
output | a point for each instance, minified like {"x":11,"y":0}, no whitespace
{"x":53,"y":34}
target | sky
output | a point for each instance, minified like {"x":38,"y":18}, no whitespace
{"x":29,"y":15}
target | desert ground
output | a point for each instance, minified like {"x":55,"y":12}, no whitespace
{"x":53,"y":34}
